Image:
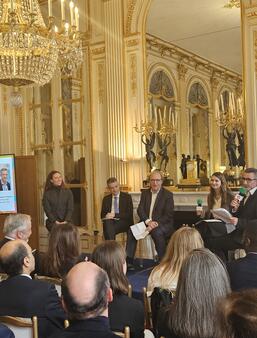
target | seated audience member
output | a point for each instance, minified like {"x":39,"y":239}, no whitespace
{"x":162,"y":282}
{"x":123,"y":311}
{"x":156,"y":208}
{"x":237,"y":315}
{"x":243,"y":271}
{"x":63,"y":251}
{"x":22,"y":296}
{"x":86,"y":293}
{"x":5,"y":332}
{"x":117,"y":211}
{"x":165,"y":275}
{"x":203,"y":280}
{"x":16,"y":226}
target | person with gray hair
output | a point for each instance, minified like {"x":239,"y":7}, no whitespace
{"x":86,"y":293}
{"x":16,"y":226}
{"x":203,"y":281}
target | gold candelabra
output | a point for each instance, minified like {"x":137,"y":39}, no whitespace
{"x":229,"y":116}
{"x":30,"y":50}
{"x":159,"y":121}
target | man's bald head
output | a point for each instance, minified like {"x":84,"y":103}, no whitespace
{"x":85,"y":291}
{"x":16,"y":258}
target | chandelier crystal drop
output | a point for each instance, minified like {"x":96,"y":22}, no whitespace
{"x":30,"y":51}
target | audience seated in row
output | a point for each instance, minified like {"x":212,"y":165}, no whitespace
{"x":123,"y":311}
{"x":237,"y":315}
{"x":165,"y":275}
{"x":203,"y":280}
{"x":243,"y":271}
{"x":22,"y":296}
{"x":86,"y":293}
{"x":63,"y":252}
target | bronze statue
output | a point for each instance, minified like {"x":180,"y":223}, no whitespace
{"x":241,"y":149}
{"x":149,"y":144}
{"x":183,"y":166}
{"x":163,"y":144}
{"x":231,"y":146}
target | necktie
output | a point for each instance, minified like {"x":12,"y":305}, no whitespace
{"x":247,"y":196}
{"x":116,"y":205}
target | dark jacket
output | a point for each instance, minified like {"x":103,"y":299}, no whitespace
{"x":8,"y":186}
{"x":24,"y":297}
{"x":125,"y":207}
{"x":163,"y":209}
{"x":88,"y":328}
{"x":58,"y":205}
{"x":5,"y":332}
{"x":243,"y":272}
{"x":126,"y":311}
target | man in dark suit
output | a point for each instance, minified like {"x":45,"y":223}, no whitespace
{"x":16,"y":226}
{"x":243,"y":210}
{"x":156,"y":209}
{"x":5,"y":332}
{"x":4,"y":184}
{"x":86,"y":293}
{"x":22,"y":296}
{"x":243,"y":271}
{"x":117,"y":211}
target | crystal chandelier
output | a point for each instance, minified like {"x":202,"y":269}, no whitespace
{"x":30,"y":51}
{"x":233,"y":3}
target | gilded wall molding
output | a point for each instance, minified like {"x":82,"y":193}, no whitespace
{"x":133,"y":74}
{"x":100,"y":77}
{"x":132,"y":42}
{"x":182,"y":70}
{"x":189,"y":59}
{"x":131,"y":8}
{"x":98,"y":50}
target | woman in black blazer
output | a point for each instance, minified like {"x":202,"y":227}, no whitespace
{"x":123,"y":310}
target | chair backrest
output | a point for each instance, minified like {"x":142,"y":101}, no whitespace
{"x":53,"y":280}
{"x":160,"y":298}
{"x":130,"y":290}
{"x":3,"y":276}
{"x":125,"y":334}
{"x":21,"y":327}
{"x":147,"y":309}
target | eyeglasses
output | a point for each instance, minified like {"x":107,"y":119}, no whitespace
{"x":247,"y":179}
{"x":157,"y":180}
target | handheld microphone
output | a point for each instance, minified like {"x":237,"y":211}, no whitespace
{"x":199,"y":206}
{"x":242,"y":193}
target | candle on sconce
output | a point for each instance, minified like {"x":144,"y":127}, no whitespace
{"x":71,"y":13}
{"x":66,"y":27}
{"x":155,"y":116}
{"x":50,"y":11}
{"x":164,"y":114}
{"x":150,"y":112}
{"x":77,"y":18}
{"x":170,"y":113}
{"x":63,"y":10}
{"x":240,"y":106}
{"x":173,"y":120}
{"x":31,"y":5}
{"x":12,"y":5}
{"x":160,"y":117}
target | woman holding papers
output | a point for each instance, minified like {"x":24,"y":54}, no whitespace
{"x":220,"y":195}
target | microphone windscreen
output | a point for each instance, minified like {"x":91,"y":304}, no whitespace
{"x":199,"y":202}
{"x":242,"y":191}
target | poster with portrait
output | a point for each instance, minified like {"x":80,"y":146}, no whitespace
{"x":8,"y":199}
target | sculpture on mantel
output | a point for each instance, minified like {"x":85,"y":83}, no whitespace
{"x":231,"y":146}
{"x":149,"y":141}
{"x":164,"y":142}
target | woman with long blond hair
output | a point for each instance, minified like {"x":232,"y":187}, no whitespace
{"x":165,"y":275}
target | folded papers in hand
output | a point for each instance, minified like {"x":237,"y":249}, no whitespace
{"x":222,"y":214}
{"x":139,"y":230}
